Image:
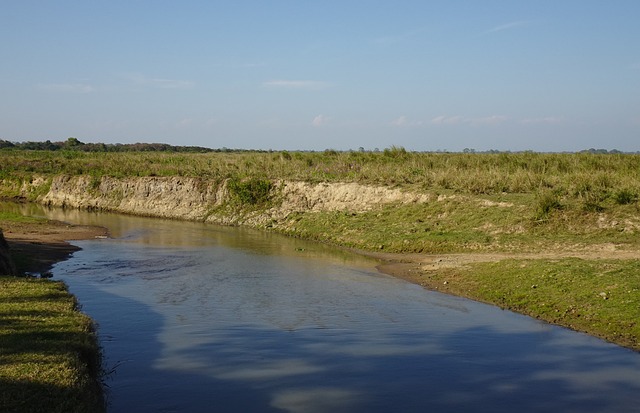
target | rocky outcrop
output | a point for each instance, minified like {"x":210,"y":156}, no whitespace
{"x":7,"y":266}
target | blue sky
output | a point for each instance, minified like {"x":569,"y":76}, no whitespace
{"x":561,"y":75}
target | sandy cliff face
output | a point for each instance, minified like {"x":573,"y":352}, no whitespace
{"x":174,"y":197}
{"x":304,"y":196}
{"x":198,"y":199}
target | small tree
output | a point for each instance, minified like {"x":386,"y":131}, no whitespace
{"x":72,"y":143}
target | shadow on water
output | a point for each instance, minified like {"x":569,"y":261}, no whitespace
{"x":133,"y":383}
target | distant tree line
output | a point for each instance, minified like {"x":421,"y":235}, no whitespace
{"x":76,"y":145}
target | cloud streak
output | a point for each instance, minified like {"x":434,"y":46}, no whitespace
{"x":403,"y":122}
{"x":320,"y":120}
{"x":296,"y":84}
{"x":444,"y":120}
{"x":488,"y":120}
{"x":447,"y":120}
{"x":549,"y":120}
{"x":160,"y":83}
{"x":507,"y":26}
{"x":67,"y":87}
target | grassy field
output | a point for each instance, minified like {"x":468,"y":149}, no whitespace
{"x":589,"y":177}
{"x":49,"y":359}
{"x":584,"y":207}
{"x":49,"y":356}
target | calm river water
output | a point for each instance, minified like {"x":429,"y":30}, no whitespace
{"x":200,"y":318}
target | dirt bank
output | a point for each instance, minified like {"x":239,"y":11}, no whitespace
{"x":417,"y":267}
{"x":36,"y":247}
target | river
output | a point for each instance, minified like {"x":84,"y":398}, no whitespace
{"x":201,"y":318}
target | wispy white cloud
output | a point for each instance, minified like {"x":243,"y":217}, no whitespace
{"x":185,"y":123}
{"x":488,"y":120}
{"x":548,"y":120}
{"x":458,"y":120}
{"x":404,"y":121}
{"x":401,"y":121}
{"x":320,"y":120}
{"x":161,"y":83}
{"x":296,"y":84}
{"x":507,"y":26}
{"x":447,"y":120}
{"x":67,"y":87}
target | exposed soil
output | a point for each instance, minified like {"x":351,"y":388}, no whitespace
{"x":36,"y":247}
{"x":414,"y":267}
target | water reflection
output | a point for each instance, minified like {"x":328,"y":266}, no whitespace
{"x":200,"y":318}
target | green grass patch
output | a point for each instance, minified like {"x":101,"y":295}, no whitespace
{"x":49,"y":358}
{"x":254,"y":192}
{"x":457,"y":223}
{"x":599,"y":297}
{"x":19,"y":218}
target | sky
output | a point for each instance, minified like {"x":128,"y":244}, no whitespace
{"x":511,"y":75}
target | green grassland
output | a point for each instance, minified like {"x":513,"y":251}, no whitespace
{"x":507,"y":203}
{"x":49,"y":360}
{"x":585,"y":175}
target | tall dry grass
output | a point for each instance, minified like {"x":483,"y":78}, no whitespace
{"x":584,"y":176}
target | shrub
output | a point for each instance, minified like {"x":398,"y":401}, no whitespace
{"x":625,"y":197}
{"x":251,"y":192}
{"x":547,"y":203}
{"x":397,"y":152}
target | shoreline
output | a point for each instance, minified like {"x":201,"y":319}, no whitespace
{"x":459,"y":275}
{"x":48,"y":244}
{"x":52,"y":356}
{"x":36,"y":248}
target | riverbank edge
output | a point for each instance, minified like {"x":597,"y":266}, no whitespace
{"x":39,"y":247}
{"x":195,"y":199}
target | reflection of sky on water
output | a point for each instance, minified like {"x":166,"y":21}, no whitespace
{"x":245,"y":321}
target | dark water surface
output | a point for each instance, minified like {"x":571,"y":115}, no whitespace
{"x":200,"y":318}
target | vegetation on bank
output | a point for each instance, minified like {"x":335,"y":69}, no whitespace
{"x":467,"y":223}
{"x":49,"y":356}
{"x":479,"y":202}
{"x":601,"y":297}
{"x":592,"y":178}
{"x":49,"y":359}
